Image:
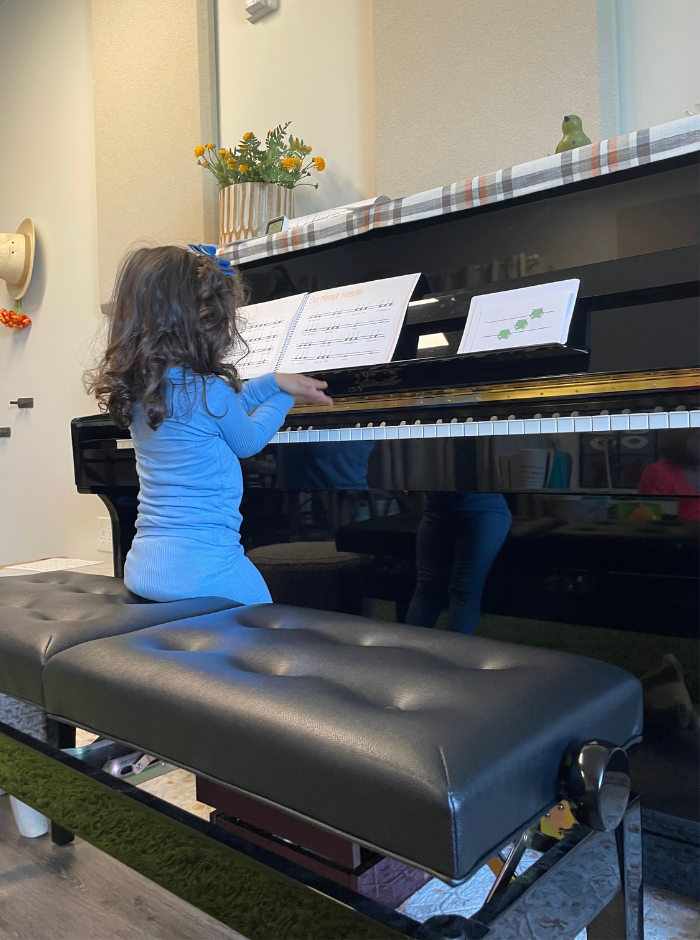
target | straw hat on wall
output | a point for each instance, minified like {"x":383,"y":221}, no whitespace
{"x":17,"y":259}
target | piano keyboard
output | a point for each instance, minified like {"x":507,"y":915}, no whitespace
{"x":589,"y":424}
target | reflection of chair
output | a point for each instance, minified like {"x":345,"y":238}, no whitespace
{"x":313,"y":573}
{"x":393,"y":538}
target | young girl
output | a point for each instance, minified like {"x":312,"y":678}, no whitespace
{"x":165,"y":377}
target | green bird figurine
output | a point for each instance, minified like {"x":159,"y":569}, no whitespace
{"x":573,"y":134}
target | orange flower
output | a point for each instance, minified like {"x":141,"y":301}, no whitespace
{"x":319,"y":163}
{"x":244,"y":167}
{"x":198,"y":151}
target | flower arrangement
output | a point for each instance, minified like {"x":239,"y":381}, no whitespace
{"x":279,"y":160}
{"x":14,"y":319}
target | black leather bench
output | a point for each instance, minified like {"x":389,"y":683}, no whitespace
{"x":428,"y":746}
{"x":432,"y":748}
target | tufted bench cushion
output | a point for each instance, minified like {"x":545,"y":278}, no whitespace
{"x":42,"y":614}
{"x":433,"y":747}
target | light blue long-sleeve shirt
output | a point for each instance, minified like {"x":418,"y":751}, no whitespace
{"x":191,"y":482}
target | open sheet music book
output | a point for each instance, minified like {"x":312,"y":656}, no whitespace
{"x":356,"y":325}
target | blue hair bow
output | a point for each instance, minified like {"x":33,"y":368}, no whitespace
{"x":210,"y":251}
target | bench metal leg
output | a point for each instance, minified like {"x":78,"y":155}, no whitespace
{"x":628,"y":836}
{"x":623,"y":917}
{"x":60,"y":736}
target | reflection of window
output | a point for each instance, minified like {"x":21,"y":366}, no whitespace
{"x":430,"y":340}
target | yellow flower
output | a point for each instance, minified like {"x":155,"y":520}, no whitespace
{"x":309,"y":149}
{"x":247,"y":135}
{"x":222,"y":153}
{"x":210,"y":146}
{"x":288,"y":163}
{"x":232,"y":164}
{"x":319,"y":163}
{"x":244,"y":167}
{"x":198,"y":151}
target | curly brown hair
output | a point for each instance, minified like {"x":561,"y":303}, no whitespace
{"x":170,"y":307}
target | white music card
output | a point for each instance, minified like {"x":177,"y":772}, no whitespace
{"x":264,"y":329}
{"x":528,"y":316}
{"x":356,"y":325}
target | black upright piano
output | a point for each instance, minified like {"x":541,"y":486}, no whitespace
{"x":565,"y":435}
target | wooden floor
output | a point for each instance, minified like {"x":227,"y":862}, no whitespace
{"x":79,"y":893}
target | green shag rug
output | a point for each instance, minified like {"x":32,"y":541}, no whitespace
{"x":639,"y":653}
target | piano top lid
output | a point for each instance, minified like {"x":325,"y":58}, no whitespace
{"x":654,"y":144}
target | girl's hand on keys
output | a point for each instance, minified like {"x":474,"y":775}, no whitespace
{"x":303,"y":389}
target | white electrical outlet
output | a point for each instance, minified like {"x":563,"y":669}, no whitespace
{"x":104,"y":534}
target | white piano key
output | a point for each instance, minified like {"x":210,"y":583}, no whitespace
{"x":601,"y":422}
{"x":275,"y":439}
{"x":695,"y":419}
{"x":583,"y":424}
{"x":619,"y":422}
{"x":639,"y":422}
{"x":293,"y":437}
{"x":471,"y":428}
{"x":658,"y":420}
{"x":430,"y":430}
{"x":392,"y":433}
{"x":443,"y":430}
{"x":283,"y":437}
{"x":324,"y":435}
{"x":368,"y":434}
{"x":565,"y":425}
{"x":679,"y":419}
{"x":314,"y":437}
{"x":404,"y":432}
{"x":355,"y":434}
{"x":485,"y":428}
{"x":532,"y":426}
{"x":548,"y":426}
{"x":345,"y":434}
{"x":379,"y":433}
{"x":303,"y":437}
{"x":500,"y":427}
{"x":458,"y":429}
{"x":416,"y":431}
{"x":518,"y":427}
{"x":334,"y":434}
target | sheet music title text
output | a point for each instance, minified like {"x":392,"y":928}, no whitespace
{"x":339,"y":295}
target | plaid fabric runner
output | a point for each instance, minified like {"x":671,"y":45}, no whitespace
{"x":607,"y":156}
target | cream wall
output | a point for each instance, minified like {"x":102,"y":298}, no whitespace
{"x":463,"y":87}
{"x":153,"y":66}
{"x":659,"y":60}
{"x":309,"y":63}
{"x":47,"y":173}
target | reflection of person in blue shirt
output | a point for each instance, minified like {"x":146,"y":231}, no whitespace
{"x":459,"y":537}
{"x":338,"y":465}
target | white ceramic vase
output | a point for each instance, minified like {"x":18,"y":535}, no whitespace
{"x":246,"y":208}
